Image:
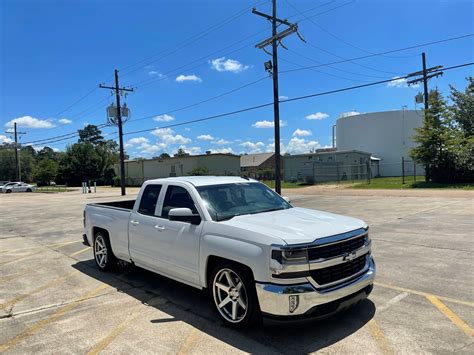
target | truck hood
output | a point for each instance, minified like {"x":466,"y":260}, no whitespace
{"x":297,"y":225}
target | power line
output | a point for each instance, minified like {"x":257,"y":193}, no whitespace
{"x":151,"y":80}
{"x":327,"y":31}
{"x":338,"y":69}
{"x":75,"y":102}
{"x":385,"y":52}
{"x":186,"y":42}
{"x":252,"y":108}
{"x":204,"y":101}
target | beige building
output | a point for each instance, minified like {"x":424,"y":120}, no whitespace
{"x":259,"y":166}
{"x":328,"y":165}
{"x":137,"y":171}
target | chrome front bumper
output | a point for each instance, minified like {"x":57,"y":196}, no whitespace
{"x":275,"y":300}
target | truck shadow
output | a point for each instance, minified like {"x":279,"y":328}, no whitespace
{"x":187,"y":304}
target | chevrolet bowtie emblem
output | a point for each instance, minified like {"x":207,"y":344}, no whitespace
{"x":349,"y":256}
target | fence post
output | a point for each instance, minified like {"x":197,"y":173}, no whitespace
{"x":95,"y":186}
{"x":414,"y":170}
{"x":369,"y":172}
{"x":403,"y":170}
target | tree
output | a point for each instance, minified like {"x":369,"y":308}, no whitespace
{"x":45,"y":171}
{"x":446,"y":140}
{"x":90,"y":133}
{"x":199,"y":171}
{"x":164,"y":156}
{"x":431,"y":151}
{"x":181,"y":153}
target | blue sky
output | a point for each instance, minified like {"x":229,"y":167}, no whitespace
{"x":55,"y":52}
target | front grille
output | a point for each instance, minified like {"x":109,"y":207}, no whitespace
{"x":336,"y":249}
{"x":338,"y":272}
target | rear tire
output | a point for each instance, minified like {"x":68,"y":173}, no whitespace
{"x":103,"y":255}
{"x":8,"y":191}
{"x":28,"y":190}
{"x":232,"y":290}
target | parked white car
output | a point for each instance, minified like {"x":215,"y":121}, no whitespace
{"x":255,"y":252}
{"x":18,"y":187}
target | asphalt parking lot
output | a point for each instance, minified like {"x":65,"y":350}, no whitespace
{"x":53,"y":300}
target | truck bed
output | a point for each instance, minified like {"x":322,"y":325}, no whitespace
{"x":127,"y":204}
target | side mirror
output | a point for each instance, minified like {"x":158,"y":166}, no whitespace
{"x":184,"y":215}
{"x":287,"y":199}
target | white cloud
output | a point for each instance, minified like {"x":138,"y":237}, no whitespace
{"x":350,"y":113}
{"x":205,"y":137}
{"x":295,"y":146}
{"x":267,"y":124}
{"x":166,"y":136}
{"x":317,"y":116}
{"x":283,"y":97}
{"x":400,"y":83}
{"x":5,"y":139}
{"x":230,"y":65}
{"x":155,"y":73}
{"x":222,"y":150}
{"x":30,"y":122}
{"x":252,"y":147}
{"x":163,"y":118}
{"x":138,"y":140}
{"x":302,"y":132}
{"x":64,"y":121}
{"x":181,"y":78}
{"x":146,"y":148}
{"x":221,"y":142}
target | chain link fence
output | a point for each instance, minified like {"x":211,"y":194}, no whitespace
{"x":337,"y":172}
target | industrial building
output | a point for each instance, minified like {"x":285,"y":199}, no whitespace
{"x":387,"y":135}
{"x":259,"y":166}
{"x":137,"y":171}
{"x":328,"y":165}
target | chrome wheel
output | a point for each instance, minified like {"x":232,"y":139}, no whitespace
{"x":100,"y":251}
{"x":230,"y":295}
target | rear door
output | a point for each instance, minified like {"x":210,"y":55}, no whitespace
{"x":142,"y":228}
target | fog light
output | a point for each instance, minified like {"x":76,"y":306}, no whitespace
{"x":294,"y":302}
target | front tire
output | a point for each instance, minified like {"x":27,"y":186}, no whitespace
{"x":103,"y":255}
{"x":28,"y":190}
{"x":233,"y":293}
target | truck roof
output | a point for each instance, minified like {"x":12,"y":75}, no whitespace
{"x":205,"y":180}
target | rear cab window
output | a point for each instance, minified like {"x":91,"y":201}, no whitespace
{"x":149,"y":200}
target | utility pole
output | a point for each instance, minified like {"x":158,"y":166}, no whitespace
{"x":17,"y":156}
{"x":425,"y":74}
{"x":272,"y":68}
{"x":118,"y":91}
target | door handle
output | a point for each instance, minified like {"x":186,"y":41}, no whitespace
{"x":160,"y":228}
{"x":134,"y":222}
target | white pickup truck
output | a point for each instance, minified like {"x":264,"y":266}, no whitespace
{"x":255,"y":253}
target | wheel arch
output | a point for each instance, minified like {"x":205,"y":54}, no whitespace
{"x":214,"y":260}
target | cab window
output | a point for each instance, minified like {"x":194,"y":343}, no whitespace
{"x":149,"y":200}
{"x":177,"y":197}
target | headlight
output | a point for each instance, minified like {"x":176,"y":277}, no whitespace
{"x":285,"y":255}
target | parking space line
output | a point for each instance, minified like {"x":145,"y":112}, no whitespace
{"x":379,"y":337}
{"x":36,"y":290}
{"x":19,"y":259}
{"x":33,"y":329}
{"x":80,"y":251}
{"x":112,"y":335}
{"x":56,"y":245}
{"x":424,"y":294}
{"x":189,"y":342}
{"x":392,"y":301}
{"x":451,"y":315}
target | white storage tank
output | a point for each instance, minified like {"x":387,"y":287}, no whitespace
{"x":387,"y":135}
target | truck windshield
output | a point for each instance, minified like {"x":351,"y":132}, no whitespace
{"x":229,"y":200}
